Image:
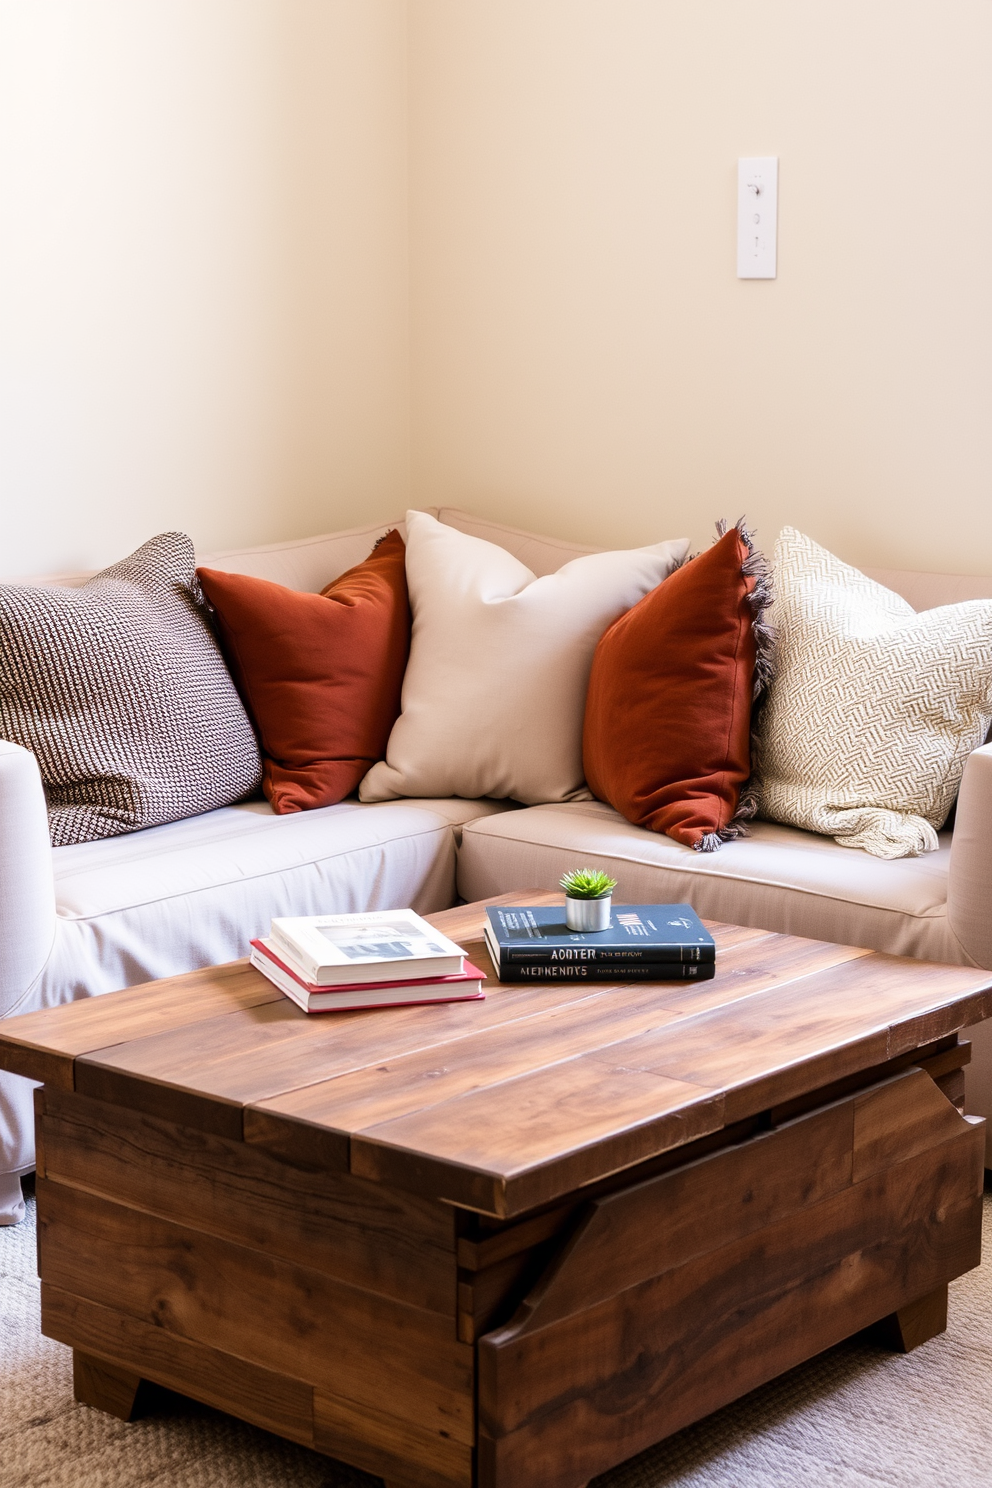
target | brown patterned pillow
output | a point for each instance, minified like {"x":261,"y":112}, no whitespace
{"x":120,"y":691}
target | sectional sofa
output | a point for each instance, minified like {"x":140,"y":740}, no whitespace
{"x":81,"y":920}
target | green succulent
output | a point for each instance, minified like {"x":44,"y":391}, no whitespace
{"x":587,"y":883}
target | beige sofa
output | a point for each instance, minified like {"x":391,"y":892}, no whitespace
{"x":82,"y":920}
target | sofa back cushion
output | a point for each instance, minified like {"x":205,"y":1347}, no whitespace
{"x":120,"y":691}
{"x":668,"y":713}
{"x":320,"y":674}
{"x":499,"y":663}
{"x":309,"y":563}
{"x":542,"y":555}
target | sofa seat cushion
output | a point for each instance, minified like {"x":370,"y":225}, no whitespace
{"x":778,"y":878}
{"x":193,"y":893}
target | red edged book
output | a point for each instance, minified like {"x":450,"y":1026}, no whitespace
{"x":314,"y":997}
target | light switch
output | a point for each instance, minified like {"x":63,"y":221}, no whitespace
{"x":757,"y":216}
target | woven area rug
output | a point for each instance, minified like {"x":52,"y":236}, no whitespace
{"x":852,"y":1418}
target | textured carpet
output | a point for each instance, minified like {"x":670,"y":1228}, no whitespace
{"x":855,"y":1417}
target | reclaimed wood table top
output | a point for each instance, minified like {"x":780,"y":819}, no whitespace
{"x":507,"y":1104}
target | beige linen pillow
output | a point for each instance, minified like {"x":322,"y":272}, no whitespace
{"x":874,"y":708}
{"x":495,"y":687}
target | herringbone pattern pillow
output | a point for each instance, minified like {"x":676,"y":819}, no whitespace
{"x":874,"y":708}
{"x":120,"y":692}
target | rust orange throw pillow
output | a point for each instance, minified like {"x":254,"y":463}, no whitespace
{"x":668,"y":713}
{"x":320,"y":674}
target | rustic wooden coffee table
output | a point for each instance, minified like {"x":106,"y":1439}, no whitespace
{"x":506,"y":1243}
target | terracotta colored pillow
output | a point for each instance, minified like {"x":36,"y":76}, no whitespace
{"x":320,"y":674}
{"x":668,"y":712}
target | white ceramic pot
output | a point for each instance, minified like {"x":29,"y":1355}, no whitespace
{"x":588,"y":914}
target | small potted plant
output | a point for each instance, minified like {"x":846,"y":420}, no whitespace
{"x":588,"y":898}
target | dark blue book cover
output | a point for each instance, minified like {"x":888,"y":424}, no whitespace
{"x":637,"y":933}
{"x":616,"y":972}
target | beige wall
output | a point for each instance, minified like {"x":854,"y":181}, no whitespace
{"x":585,"y":360}
{"x":203,"y":272}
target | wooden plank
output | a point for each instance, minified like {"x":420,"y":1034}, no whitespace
{"x":767,"y":1048}
{"x":104,"y":1385}
{"x":288,"y":1318}
{"x":796,"y":1037}
{"x":747,"y":969}
{"x":480,"y":1059}
{"x":896,"y":1120}
{"x":594,"y":1017}
{"x":371,"y":1237}
{"x":948,"y":1061}
{"x":739,"y":1190}
{"x":44,"y":1045}
{"x":567,"y":1390}
{"x":943,"y":1050}
{"x":248,"y":1057}
{"x":488,"y":1241}
{"x":478,"y":1252}
{"x":248,"y":1391}
{"x":530,"y":1140}
{"x":39,"y":1134}
{"x":398,"y":1451}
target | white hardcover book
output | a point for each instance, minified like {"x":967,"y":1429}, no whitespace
{"x":349,"y":948}
{"x":465,"y":988}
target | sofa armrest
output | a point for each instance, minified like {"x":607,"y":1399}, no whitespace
{"x":969,"y":885}
{"x":27,"y":890}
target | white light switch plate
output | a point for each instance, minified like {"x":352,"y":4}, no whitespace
{"x":757,"y":216}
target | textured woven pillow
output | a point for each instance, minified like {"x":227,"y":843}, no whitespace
{"x":874,"y":708}
{"x":121,"y":693}
{"x":499,"y":663}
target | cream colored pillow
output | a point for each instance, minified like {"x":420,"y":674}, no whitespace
{"x":495,"y":686}
{"x":873,"y":709}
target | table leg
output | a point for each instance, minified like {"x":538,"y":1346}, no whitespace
{"x":106,"y":1386}
{"x":918,"y":1321}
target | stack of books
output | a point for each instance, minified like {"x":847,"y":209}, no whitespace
{"x":644,"y":942}
{"x":385,"y":958}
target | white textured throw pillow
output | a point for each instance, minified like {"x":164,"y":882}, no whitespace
{"x":874,"y":708}
{"x":495,"y":687}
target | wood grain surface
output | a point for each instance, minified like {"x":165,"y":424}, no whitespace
{"x":105,"y":1386}
{"x":678,"y":1295}
{"x":43,"y":1046}
{"x":283,"y":1316}
{"x":507,"y":1104}
{"x":381,"y":1240}
{"x":143,"y":1351}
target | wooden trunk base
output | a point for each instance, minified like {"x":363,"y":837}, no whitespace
{"x":105,"y":1386}
{"x":532,"y":1352}
{"x":917,"y":1322}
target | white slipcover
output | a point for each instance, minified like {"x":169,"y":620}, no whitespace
{"x":156,"y":903}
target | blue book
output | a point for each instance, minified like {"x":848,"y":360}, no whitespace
{"x":643,"y":941}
